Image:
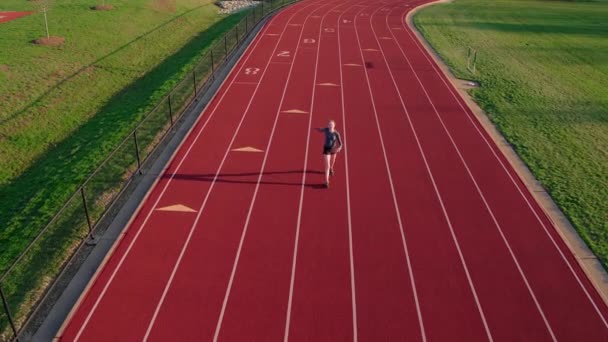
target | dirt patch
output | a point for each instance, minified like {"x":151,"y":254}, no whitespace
{"x":50,"y":41}
{"x":102,"y":8}
{"x":164,"y":5}
{"x":4,"y":68}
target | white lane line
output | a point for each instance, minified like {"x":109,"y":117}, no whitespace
{"x":350,"y":231}
{"x":517,"y":186}
{"x":246,"y":57}
{"x":257,"y":187}
{"x":479,"y":192}
{"x":247,"y":83}
{"x":209,"y":191}
{"x":299,"y":221}
{"x":394,"y":195}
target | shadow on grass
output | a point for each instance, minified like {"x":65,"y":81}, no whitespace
{"x":29,"y":202}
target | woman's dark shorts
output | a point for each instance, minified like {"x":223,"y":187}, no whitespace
{"x":327,"y":150}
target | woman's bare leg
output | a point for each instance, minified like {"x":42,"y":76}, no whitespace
{"x":333,"y":161}
{"x":327,"y":160}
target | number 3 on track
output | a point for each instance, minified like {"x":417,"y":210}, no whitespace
{"x":283,"y":54}
{"x":309,"y":41}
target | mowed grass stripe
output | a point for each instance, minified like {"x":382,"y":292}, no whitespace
{"x":543,"y":70}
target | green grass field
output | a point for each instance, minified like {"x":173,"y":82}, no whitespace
{"x":63,"y":109}
{"x":543,"y":70}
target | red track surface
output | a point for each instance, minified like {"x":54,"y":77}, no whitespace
{"x":8,"y":16}
{"x":427,"y":233}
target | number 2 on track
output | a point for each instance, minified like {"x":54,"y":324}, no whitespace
{"x":283,"y":54}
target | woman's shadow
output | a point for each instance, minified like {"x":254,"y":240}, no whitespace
{"x":234,"y":178}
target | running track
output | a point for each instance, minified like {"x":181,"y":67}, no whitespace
{"x":8,"y":16}
{"x":426,"y":233}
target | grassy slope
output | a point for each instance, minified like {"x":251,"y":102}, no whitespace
{"x":543,"y":69}
{"x":63,"y":109}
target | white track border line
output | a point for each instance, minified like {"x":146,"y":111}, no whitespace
{"x":257,"y":187}
{"x":517,"y":186}
{"x":479,"y":191}
{"x":390,"y":177}
{"x":447,"y":218}
{"x":209,"y":191}
{"x":247,"y":54}
{"x":299,"y":221}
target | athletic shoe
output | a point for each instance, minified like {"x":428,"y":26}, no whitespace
{"x":331,"y":172}
{"x":326,"y":185}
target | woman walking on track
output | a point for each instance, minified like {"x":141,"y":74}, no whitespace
{"x":333,"y":145}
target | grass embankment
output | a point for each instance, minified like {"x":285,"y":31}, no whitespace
{"x":64,"y":109}
{"x":543,"y":70}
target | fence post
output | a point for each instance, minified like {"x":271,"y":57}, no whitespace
{"x":194,"y":82}
{"x":236,"y":32}
{"x":225,"y":47}
{"x":212,"y":67}
{"x":170,"y":110}
{"x":475,"y":62}
{"x":86,"y":213}
{"x":137,"y":151}
{"x":246,"y":24}
{"x":8,"y":313}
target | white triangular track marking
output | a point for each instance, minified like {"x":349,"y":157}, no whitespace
{"x":177,"y":207}
{"x":246,"y":149}
{"x":295,"y":111}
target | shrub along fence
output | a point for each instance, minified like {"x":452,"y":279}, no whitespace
{"x":28,"y":280}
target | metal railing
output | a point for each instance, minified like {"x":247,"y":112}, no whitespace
{"x":29,"y":278}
